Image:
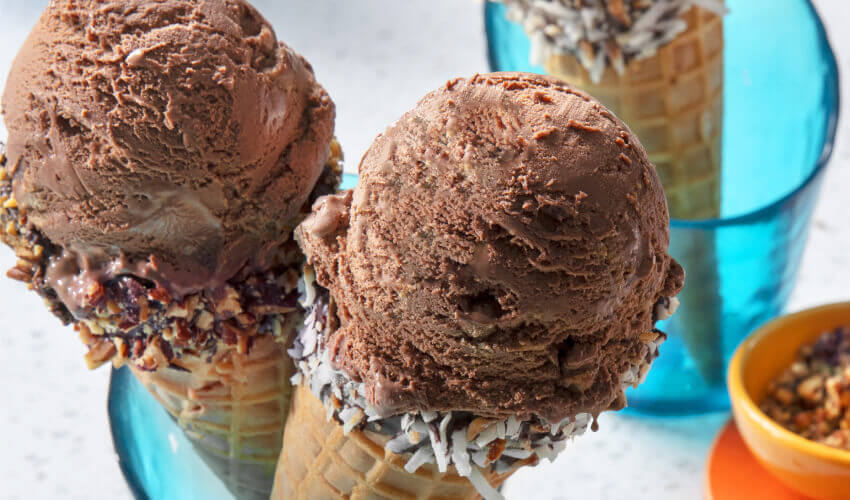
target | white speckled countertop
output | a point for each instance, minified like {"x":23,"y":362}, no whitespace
{"x":376,"y":57}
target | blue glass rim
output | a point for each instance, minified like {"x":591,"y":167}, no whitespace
{"x":826,"y":151}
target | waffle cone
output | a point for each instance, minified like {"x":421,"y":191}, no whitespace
{"x":673,"y":101}
{"x":320,"y":461}
{"x":232,"y":408}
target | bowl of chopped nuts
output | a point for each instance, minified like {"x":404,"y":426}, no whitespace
{"x":789,"y":384}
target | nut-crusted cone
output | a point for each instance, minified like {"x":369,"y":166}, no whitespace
{"x":320,"y":461}
{"x":673,"y":101}
{"x":232,"y":408}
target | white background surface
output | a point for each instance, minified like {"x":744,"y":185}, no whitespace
{"x":376,"y":57}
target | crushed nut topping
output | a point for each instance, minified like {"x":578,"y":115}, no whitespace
{"x":812,"y":396}
{"x":130,"y":319}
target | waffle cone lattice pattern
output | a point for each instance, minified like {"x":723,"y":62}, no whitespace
{"x":673,"y":101}
{"x":319,"y":462}
{"x":232,"y":408}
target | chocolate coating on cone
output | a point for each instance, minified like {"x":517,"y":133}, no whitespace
{"x":502,"y":254}
{"x":173,"y":140}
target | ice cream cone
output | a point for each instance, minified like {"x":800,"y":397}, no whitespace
{"x":320,"y":460}
{"x":673,"y":101}
{"x":232,"y":408}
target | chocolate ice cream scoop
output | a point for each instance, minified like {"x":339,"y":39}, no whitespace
{"x":173,"y":140}
{"x":160,"y":155}
{"x":504,"y":254}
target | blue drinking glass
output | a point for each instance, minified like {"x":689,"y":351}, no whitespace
{"x":781,"y":110}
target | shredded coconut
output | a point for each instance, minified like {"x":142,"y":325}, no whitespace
{"x":602,"y":32}
{"x":666,"y":307}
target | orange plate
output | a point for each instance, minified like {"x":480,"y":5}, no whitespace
{"x":732,"y":472}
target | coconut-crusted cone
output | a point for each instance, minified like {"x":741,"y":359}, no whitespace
{"x":489,"y":287}
{"x":159,"y":156}
{"x":322,"y":460}
{"x":668,"y":88}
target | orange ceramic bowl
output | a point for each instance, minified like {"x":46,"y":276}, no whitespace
{"x":813,"y":469}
